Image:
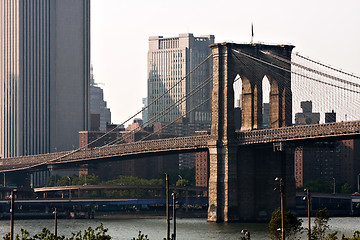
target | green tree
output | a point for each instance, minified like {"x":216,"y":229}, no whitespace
{"x":99,"y":233}
{"x":140,"y":237}
{"x":356,"y":236}
{"x":183,"y":182}
{"x":64,"y":180}
{"x":320,"y":224}
{"x":319,"y":186}
{"x":121,"y":180}
{"x":129,"y":180}
{"x":291,"y":222}
{"x":346,"y":189}
{"x":187,"y":173}
{"x":51,"y":181}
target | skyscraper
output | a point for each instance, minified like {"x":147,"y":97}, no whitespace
{"x":97,"y":104}
{"x":169,"y":60}
{"x":44,"y":75}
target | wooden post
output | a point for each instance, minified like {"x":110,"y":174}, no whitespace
{"x":174,"y":217}
{"x":167,"y":208}
{"x":309,"y":217}
{"x":55,"y":223}
{"x":282,"y":192}
{"x":12,"y":210}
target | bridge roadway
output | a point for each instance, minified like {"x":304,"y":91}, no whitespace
{"x":116,"y":187}
{"x":183,"y":144}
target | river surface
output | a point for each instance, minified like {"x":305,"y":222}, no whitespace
{"x":187,"y":229}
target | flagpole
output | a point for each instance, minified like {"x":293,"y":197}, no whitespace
{"x":252,"y":33}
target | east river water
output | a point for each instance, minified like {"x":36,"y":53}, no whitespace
{"x":187,"y":229}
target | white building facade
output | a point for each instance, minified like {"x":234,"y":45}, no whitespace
{"x":170,"y":60}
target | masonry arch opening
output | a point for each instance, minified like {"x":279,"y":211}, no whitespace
{"x":237,"y":86}
{"x":265,"y":102}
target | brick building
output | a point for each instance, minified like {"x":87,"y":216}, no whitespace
{"x":143,"y":167}
{"x":326,"y":161}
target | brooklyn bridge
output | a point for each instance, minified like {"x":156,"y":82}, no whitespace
{"x":243,"y":163}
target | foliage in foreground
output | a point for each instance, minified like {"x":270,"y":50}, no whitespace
{"x":321,"y":226}
{"x":140,"y":237}
{"x":99,"y":233}
{"x":292,"y":225}
{"x":356,"y":236}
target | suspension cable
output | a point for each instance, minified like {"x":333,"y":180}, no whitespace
{"x":287,"y":70}
{"x":167,"y":110}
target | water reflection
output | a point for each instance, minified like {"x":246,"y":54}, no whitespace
{"x":189,"y":229}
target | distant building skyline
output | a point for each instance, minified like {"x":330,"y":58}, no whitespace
{"x":98,"y":105}
{"x":328,"y":160}
{"x":307,"y":116}
{"x":44,"y":75}
{"x":171,"y":59}
{"x":145,"y":112}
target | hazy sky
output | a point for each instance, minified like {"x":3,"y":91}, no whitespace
{"x":325,"y":30}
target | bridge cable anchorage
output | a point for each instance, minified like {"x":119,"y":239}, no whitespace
{"x":305,"y":72}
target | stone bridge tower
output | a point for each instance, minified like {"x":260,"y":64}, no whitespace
{"x":236,"y":173}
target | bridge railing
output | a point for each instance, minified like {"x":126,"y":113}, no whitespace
{"x":299,"y":132}
{"x":158,"y":145}
{"x":183,"y":143}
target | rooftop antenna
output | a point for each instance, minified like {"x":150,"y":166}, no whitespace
{"x":252,"y":33}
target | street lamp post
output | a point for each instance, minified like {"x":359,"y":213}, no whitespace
{"x":69,"y":187}
{"x":167,"y":207}
{"x":308,"y":206}
{"x":174,"y":216}
{"x":334,"y":191}
{"x":282,"y":206}
{"x":12,"y":210}
{"x":55,"y":222}
{"x":282,"y":191}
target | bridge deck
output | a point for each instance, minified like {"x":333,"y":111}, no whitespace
{"x":120,"y":150}
{"x":300,"y":132}
{"x":117,"y":187}
{"x":263,"y":136}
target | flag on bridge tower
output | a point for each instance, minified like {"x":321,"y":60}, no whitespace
{"x":252,"y":32}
